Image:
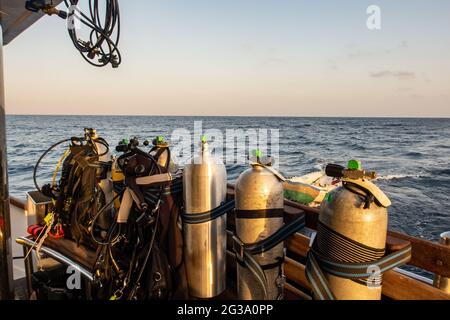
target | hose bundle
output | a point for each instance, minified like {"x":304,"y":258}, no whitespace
{"x":104,"y":33}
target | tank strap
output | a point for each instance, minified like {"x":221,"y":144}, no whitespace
{"x":260,"y":214}
{"x":175,"y":187}
{"x":245,"y":252}
{"x":282,"y":234}
{"x":196,"y":218}
{"x":369,"y":271}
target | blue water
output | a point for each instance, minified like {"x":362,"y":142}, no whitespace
{"x":412,"y":156}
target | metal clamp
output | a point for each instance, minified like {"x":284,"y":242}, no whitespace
{"x":238,"y":248}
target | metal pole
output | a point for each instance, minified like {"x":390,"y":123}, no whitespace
{"x":441,"y":282}
{"x":6,"y":271}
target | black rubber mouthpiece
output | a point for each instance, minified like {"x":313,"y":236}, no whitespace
{"x":334,"y":170}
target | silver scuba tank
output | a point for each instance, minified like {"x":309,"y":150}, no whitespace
{"x":259,"y":214}
{"x":204,"y":189}
{"x":356,"y":211}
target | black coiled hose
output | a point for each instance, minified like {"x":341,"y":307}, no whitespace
{"x":42,"y":157}
{"x":103,"y":36}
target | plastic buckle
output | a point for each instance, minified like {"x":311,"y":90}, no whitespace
{"x":238,"y":248}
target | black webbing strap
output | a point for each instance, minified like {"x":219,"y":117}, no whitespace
{"x":260,"y":213}
{"x":282,"y":234}
{"x":196,"y":218}
{"x":331,"y":253}
{"x":244,"y":252}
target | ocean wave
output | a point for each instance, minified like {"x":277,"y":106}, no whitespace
{"x":413,"y":154}
{"x":441,"y":172}
{"x":399,"y":176}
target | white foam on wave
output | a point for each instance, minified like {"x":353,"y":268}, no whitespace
{"x":319,"y":166}
{"x":398,"y":176}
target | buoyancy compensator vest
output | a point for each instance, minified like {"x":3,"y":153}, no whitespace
{"x":143,"y":257}
{"x":83,"y":188}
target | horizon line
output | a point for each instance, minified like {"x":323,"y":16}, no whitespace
{"x":232,"y":116}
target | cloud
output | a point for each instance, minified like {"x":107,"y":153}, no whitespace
{"x":272,"y":61}
{"x":401,"y":75}
{"x":358,"y":54}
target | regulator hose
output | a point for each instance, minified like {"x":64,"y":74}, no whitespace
{"x":112,"y":229}
{"x":42,"y":157}
{"x":104,"y":34}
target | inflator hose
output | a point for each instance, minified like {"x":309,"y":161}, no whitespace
{"x":42,"y":157}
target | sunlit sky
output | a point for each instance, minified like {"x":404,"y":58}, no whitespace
{"x":244,"y":57}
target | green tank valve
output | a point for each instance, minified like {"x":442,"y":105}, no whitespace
{"x":159,"y":139}
{"x":203,"y":139}
{"x":354,"y":165}
{"x":125,"y":141}
{"x":258,"y":153}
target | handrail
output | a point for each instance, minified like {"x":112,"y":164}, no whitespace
{"x":19,"y":203}
{"x":24,"y":241}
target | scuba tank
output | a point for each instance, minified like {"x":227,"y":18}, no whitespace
{"x":352,"y":228}
{"x":161,"y":152}
{"x":204,"y":190}
{"x":259,"y":215}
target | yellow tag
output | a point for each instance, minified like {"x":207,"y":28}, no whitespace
{"x":48,"y":218}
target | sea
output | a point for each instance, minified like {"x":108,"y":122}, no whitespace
{"x":411,"y":156}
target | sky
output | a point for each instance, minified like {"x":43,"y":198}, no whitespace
{"x":244,"y":58}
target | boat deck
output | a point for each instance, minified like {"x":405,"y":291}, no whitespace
{"x":397,"y":284}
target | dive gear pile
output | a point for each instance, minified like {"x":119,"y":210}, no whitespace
{"x":157,"y":232}
{"x":144,"y":257}
{"x":138,"y":243}
{"x":83,"y":189}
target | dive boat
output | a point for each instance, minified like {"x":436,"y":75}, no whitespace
{"x":18,"y":261}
